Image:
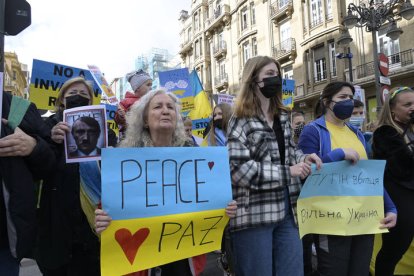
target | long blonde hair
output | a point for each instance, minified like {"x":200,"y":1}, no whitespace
{"x":247,"y":103}
{"x":386,"y":117}
{"x":137,"y":135}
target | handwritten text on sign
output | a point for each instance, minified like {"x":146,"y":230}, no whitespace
{"x":343,"y":199}
{"x":166,"y":204}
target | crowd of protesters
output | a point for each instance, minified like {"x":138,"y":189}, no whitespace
{"x":271,"y":153}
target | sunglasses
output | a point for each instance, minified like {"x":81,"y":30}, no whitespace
{"x":400,"y":89}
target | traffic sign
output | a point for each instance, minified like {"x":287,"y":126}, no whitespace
{"x":17,"y":16}
{"x":385,"y":91}
{"x":385,"y":80}
{"x":383,"y":64}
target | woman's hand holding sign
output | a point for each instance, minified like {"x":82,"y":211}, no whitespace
{"x":59,"y":131}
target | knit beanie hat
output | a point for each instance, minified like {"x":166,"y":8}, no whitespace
{"x":137,"y":78}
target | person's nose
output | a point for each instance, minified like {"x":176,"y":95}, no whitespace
{"x":165,"y":110}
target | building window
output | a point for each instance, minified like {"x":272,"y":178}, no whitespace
{"x":196,"y":22}
{"x":197,"y":49}
{"x":283,"y":3}
{"x":389,"y":47}
{"x":332,"y":59}
{"x":285,"y":36}
{"x":253,"y":13}
{"x":329,"y":15}
{"x":287,"y":72}
{"x":254,"y":46}
{"x":244,"y":19}
{"x":189,"y":34}
{"x":319,"y":63}
{"x":221,"y":68}
{"x":14,"y":75}
{"x":316,"y":12}
{"x":320,"y":69}
{"x":246,"y":51}
{"x":220,"y":38}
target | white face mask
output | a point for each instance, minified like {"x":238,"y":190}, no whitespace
{"x":357,"y":121}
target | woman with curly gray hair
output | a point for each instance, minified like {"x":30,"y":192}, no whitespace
{"x":162,"y":111}
{"x":155,"y":121}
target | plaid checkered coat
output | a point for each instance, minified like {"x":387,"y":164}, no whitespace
{"x":258,"y":177}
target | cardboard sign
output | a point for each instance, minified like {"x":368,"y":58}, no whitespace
{"x":177,"y":82}
{"x":47,"y":79}
{"x":166,"y":204}
{"x":343,"y":199}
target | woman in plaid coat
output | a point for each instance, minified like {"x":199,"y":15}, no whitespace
{"x":266,"y":170}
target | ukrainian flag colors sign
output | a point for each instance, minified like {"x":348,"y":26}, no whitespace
{"x":288,"y":91}
{"x":201,"y":113}
{"x":166,"y":204}
{"x":177,"y":82}
{"x":47,"y":79}
{"x":343,"y":199}
{"x":110,"y":117}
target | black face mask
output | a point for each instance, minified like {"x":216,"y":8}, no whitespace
{"x":298,"y":130}
{"x":272,"y":86}
{"x":218,"y":123}
{"x":76,"y":101}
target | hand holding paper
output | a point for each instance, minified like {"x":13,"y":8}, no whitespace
{"x":17,"y":144}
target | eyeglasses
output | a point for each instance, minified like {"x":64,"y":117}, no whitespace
{"x":400,"y":89}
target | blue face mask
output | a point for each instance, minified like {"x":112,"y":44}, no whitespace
{"x":343,"y":109}
{"x":357,"y":121}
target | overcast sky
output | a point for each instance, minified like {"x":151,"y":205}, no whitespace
{"x":106,"y":33}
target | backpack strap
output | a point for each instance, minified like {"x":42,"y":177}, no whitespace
{"x":18,"y":109}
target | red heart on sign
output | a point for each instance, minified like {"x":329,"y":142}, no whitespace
{"x":131,"y":243}
{"x":211,"y":165}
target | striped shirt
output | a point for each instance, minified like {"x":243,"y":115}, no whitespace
{"x":259,"y":180}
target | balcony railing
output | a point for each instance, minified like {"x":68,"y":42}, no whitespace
{"x":397,"y":60}
{"x":221,"y":13}
{"x":187,"y":45}
{"x":279,"y":8}
{"x":221,"y":80}
{"x":220,"y":49}
{"x":285,"y":48}
{"x":316,"y":22}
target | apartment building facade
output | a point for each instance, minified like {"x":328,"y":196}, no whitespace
{"x":218,"y":36}
{"x":16,"y":76}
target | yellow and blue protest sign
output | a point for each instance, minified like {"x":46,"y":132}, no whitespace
{"x":47,"y":79}
{"x":288,"y":90}
{"x":177,"y":82}
{"x":166,"y":204}
{"x":343,"y":199}
{"x":110,"y":117}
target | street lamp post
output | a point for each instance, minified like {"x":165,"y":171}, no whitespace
{"x":349,"y":57}
{"x":372,"y":15}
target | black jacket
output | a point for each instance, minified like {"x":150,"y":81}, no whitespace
{"x":63,"y":226}
{"x":18,"y":175}
{"x":388,"y":144}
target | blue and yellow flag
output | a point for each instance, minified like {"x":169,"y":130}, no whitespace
{"x":200,"y":114}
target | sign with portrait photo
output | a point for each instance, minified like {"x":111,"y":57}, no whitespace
{"x":88,"y":133}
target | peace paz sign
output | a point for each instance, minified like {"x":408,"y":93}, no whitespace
{"x":167,"y":204}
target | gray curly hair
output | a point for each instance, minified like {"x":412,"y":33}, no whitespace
{"x":137,"y":135}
